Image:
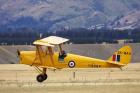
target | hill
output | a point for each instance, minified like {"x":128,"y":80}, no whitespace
{"x":54,"y":14}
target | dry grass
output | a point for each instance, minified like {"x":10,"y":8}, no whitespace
{"x":75,"y":89}
{"x":18,"y":78}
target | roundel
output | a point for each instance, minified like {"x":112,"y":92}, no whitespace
{"x":71,"y":64}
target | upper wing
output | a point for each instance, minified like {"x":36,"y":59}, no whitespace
{"x":38,"y":42}
{"x":115,"y":63}
{"x":54,"y":40}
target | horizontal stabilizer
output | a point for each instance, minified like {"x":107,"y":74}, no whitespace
{"x":115,"y":63}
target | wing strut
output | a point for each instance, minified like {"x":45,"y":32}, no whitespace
{"x":51,"y":53}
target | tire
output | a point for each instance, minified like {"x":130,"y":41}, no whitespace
{"x":40,"y":78}
{"x":45,"y":76}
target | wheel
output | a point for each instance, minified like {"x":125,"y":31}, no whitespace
{"x":45,"y":76}
{"x":40,"y":78}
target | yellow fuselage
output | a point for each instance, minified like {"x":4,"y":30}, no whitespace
{"x":47,"y":60}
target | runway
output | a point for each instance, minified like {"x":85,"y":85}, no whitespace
{"x":22,"y":77}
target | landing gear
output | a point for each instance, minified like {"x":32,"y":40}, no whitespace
{"x":41,"y":77}
{"x":45,"y":76}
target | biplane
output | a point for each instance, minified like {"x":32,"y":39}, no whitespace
{"x":45,"y":57}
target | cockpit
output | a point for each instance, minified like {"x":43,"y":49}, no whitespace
{"x":46,"y":45}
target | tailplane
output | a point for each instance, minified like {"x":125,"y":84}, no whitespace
{"x":122,"y":56}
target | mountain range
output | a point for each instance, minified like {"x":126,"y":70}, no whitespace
{"x":55,"y":14}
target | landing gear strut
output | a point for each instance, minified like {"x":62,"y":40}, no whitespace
{"x":43,"y":76}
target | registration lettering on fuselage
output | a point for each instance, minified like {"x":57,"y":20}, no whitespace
{"x":124,"y":52}
{"x":94,"y":66}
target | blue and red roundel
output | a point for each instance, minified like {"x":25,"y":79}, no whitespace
{"x":116,"y":57}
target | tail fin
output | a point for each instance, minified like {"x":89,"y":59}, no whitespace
{"x":123,"y":55}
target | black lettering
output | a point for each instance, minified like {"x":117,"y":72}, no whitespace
{"x":124,"y":52}
{"x":119,"y":52}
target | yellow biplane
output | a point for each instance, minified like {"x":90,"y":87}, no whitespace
{"x":46,"y":58}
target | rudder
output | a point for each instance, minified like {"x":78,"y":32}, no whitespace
{"x":123,"y":55}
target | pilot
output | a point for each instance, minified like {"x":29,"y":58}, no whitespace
{"x":63,"y":54}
